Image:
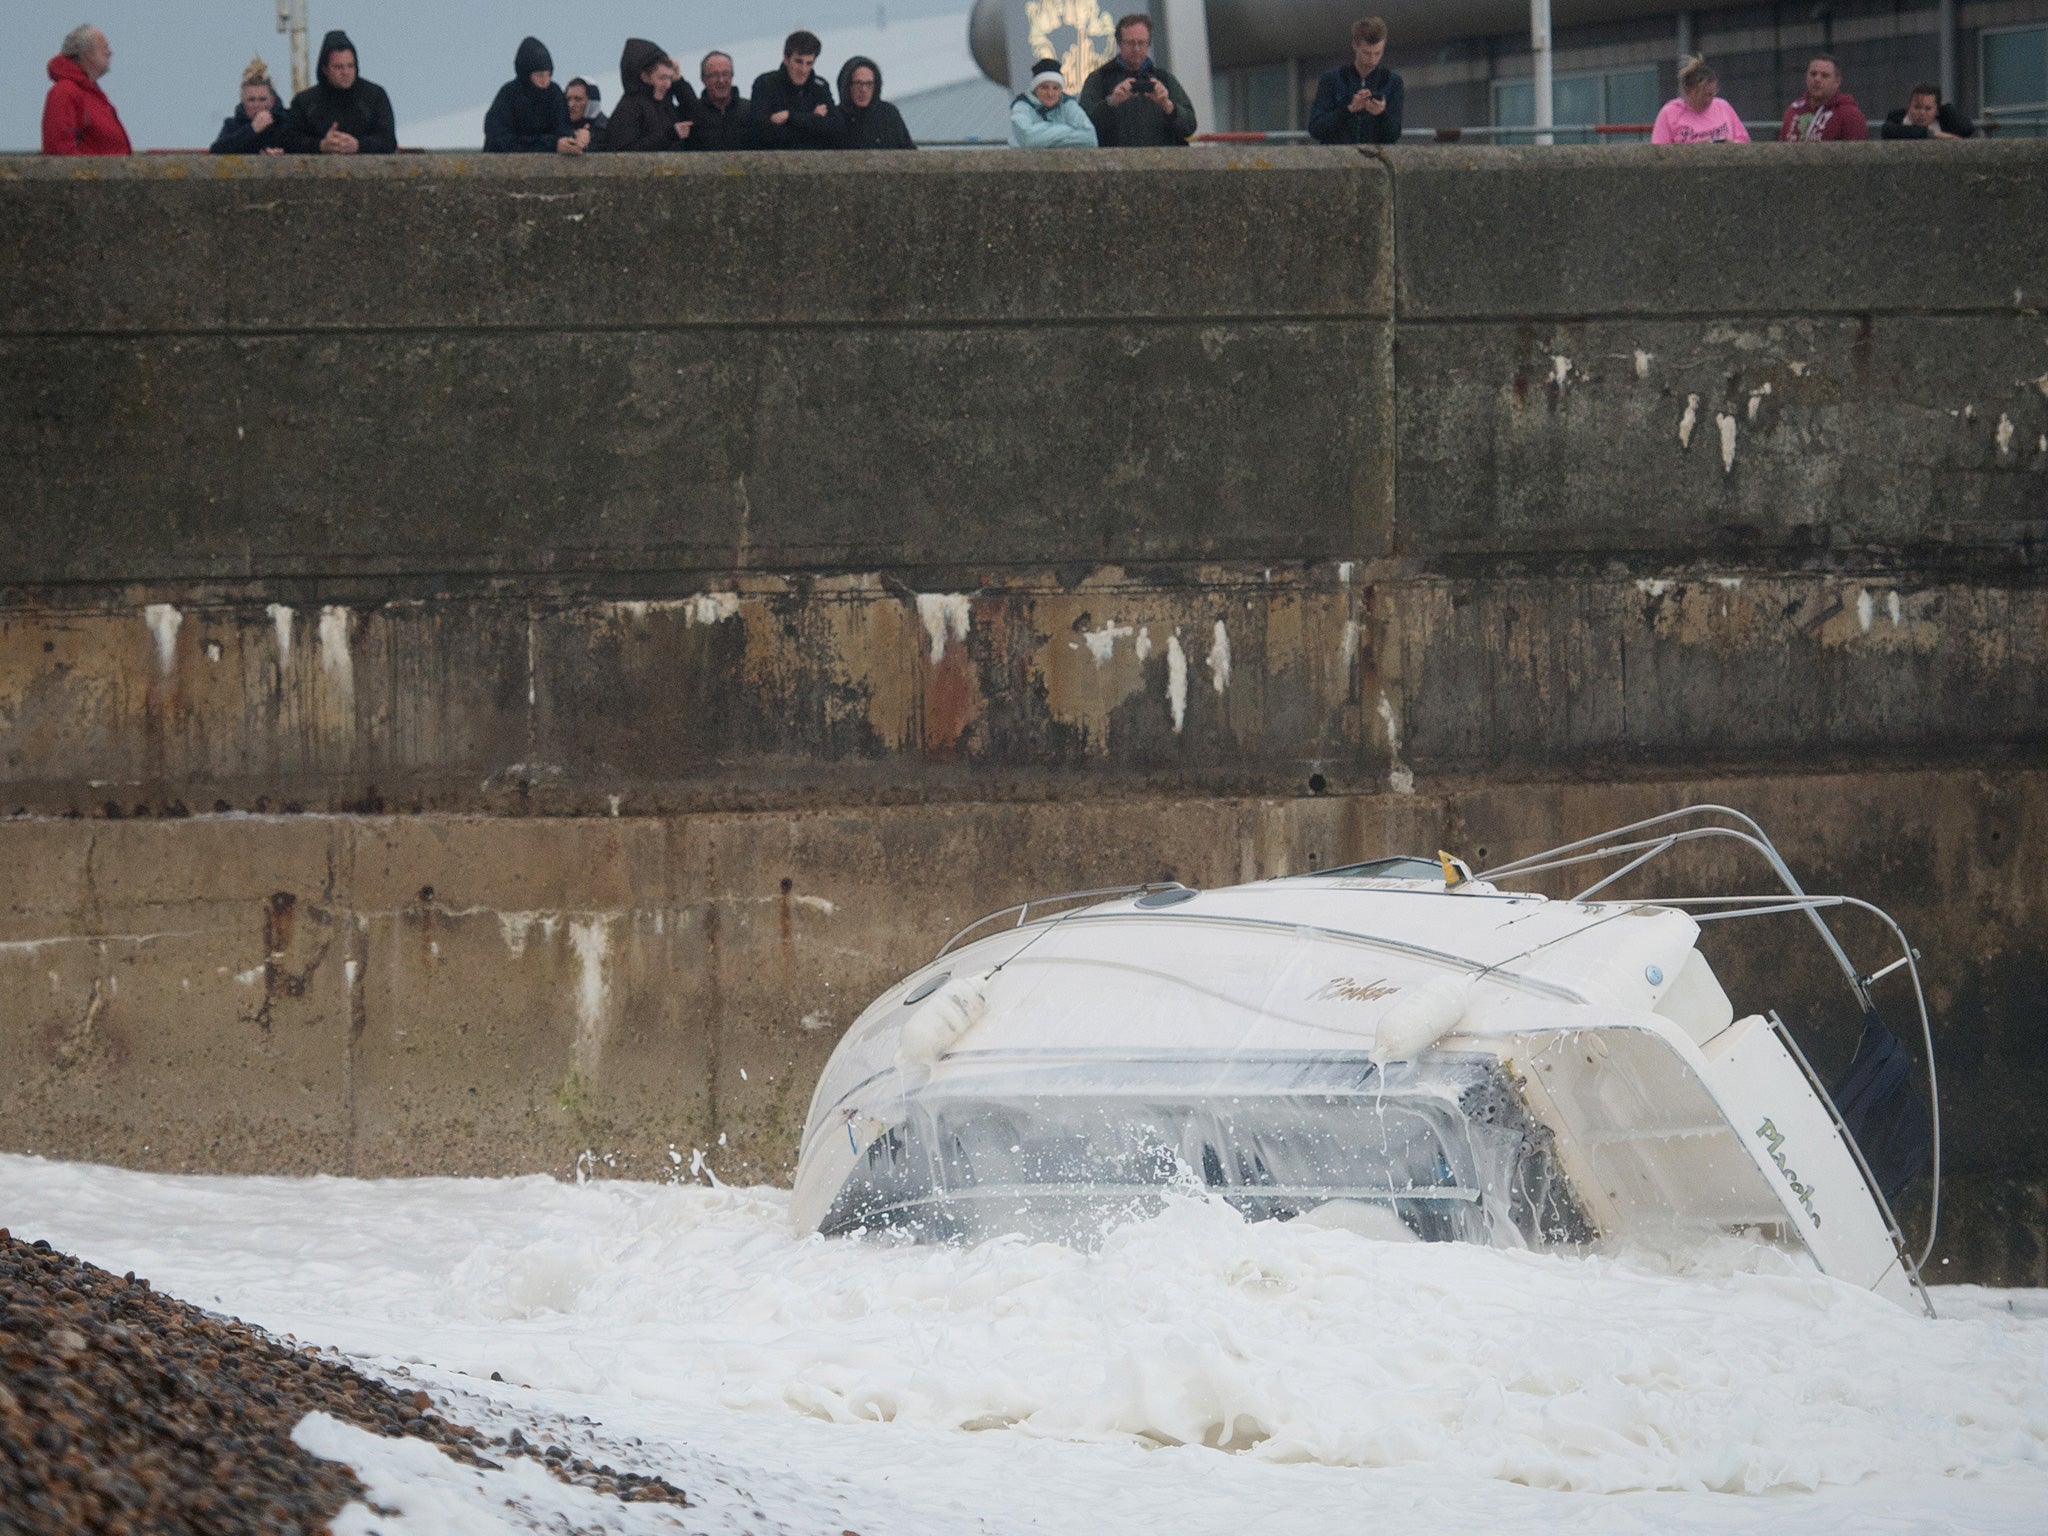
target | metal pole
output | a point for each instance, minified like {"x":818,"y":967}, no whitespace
{"x":1685,"y":44}
{"x":1945,"y":21}
{"x":291,"y":20}
{"x":1187,"y":55}
{"x":1539,"y":45}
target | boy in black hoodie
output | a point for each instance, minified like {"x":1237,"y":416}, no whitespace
{"x":871,"y":123}
{"x":531,"y":115}
{"x":792,"y":107}
{"x":654,"y":107}
{"x":340,"y":113}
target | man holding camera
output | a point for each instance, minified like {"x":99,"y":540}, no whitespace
{"x":1131,"y":100}
{"x":1359,"y":102}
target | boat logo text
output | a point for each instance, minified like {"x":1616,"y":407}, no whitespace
{"x":1774,"y":1139}
{"x":1350,"y":989}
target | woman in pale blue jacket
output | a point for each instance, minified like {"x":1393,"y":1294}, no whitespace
{"x":1049,"y":118}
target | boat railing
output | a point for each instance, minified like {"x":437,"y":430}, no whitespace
{"x":1623,"y":843}
{"x":1023,"y":909}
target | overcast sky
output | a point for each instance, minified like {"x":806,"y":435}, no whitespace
{"x":177,"y":63}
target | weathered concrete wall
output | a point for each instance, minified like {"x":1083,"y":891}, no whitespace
{"x":508,"y":694}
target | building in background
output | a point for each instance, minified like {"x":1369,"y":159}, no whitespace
{"x":1467,"y":62}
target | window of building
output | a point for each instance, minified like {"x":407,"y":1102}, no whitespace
{"x":1250,"y":100}
{"x":2013,"y":76}
{"x":1597,"y":96}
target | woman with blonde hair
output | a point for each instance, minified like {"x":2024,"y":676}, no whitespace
{"x":257,"y":128}
{"x":1697,"y":115}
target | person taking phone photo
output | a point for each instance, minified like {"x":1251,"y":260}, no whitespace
{"x":1359,"y":102}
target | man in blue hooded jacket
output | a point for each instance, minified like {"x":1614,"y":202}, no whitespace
{"x":1359,"y":102}
{"x":531,"y":115}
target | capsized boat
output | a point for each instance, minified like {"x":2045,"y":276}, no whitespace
{"x":1400,"y":1046}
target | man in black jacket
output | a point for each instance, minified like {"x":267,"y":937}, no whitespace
{"x":1926,"y":116}
{"x":531,"y":115}
{"x":722,"y":119}
{"x":340,"y":113}
{"x":871,"y":123}
{"x":651,"y":115}
{"x":791,"y":107}
{"x":1131,"y":100}
{"x":1359,"y":102}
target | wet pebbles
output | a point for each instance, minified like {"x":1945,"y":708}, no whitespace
{"x":125,"y":1411}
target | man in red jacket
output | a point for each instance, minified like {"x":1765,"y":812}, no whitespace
{"x":77,"y":117}
{"x":1826,"y":111}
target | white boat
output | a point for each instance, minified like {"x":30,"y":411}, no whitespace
{"x":1398,"y":1046}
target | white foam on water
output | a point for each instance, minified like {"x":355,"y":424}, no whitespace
{"x":1195,"y":1373}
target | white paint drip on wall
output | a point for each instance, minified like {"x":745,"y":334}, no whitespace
{"x":1560,"y":369}
{"x":1688,"y":421}
{"x":1143,"y":645}
{"x":335,"y":660}
{"x":711,"y":607}
{"x":350,"y":969}
{"x":1219,"y":658}
{"x":1727,"y":583}
{"x":1654,"y":586}
{"x":1756,"y":398}
{"x":1400,"y":777}
{"x":1176,"y":681}
{"x":163,"y":621}
{"x":1865,"y":610}
{"x":514,"y":926}
{"x":1345,"y":568}
{"x":1347,"y":646}
{"x":1727,"y":426}
{"x":1891,"y":608}
{"x":281,"y":624}
{"x":213,"y":650}
{"x":591,"y":940}
{"x":815,"y":1021}
{"x":1643,"y":363}
{"x":944,"y":613}
{"x":2004,"y":435}
{"x":1101,"y":642}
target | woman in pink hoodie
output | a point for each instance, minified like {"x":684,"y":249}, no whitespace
{"x":77,"y":117}
{"x":1697,"y":115}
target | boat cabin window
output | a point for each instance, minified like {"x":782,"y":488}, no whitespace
{"x":1404,"y":866}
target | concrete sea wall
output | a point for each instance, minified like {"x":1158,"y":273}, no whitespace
{"x":499,"y":660}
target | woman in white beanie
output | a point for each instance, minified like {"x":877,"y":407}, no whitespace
{"x":1048,"y":118}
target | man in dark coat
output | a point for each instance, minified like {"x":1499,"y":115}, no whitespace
{"x":531,"y":115}
{"x":257,"y":128}
{"x":340,"y":113}
{"x":589,"y":122}
{"x":1360,"y":102}
{"x":791,"y":107}
{"x":871,"y":122}
{"x":1132,"y":101}
{"x":722,"y":120}
{"x":651,"y":114}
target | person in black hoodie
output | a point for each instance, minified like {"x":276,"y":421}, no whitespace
{"x":871,"y":123}
{"x":1926,"y":116}
{"x":791,"y":106}
{"x":531,"y":115}
{"x":340,"y":113}
{"x":653,"y":114}
{"x":257,"y":128}
{"x":722,"y":120}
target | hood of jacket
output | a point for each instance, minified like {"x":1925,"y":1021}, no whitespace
{"x":1839,"y":99}
{"x":532,"y":55}
{"x":333,"y":43}
{"x":846,"y":78}
{"x":69,"y":70}
{"x":638,"y":56}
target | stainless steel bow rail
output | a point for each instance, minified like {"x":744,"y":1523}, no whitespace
{"x":1638,"y":851}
